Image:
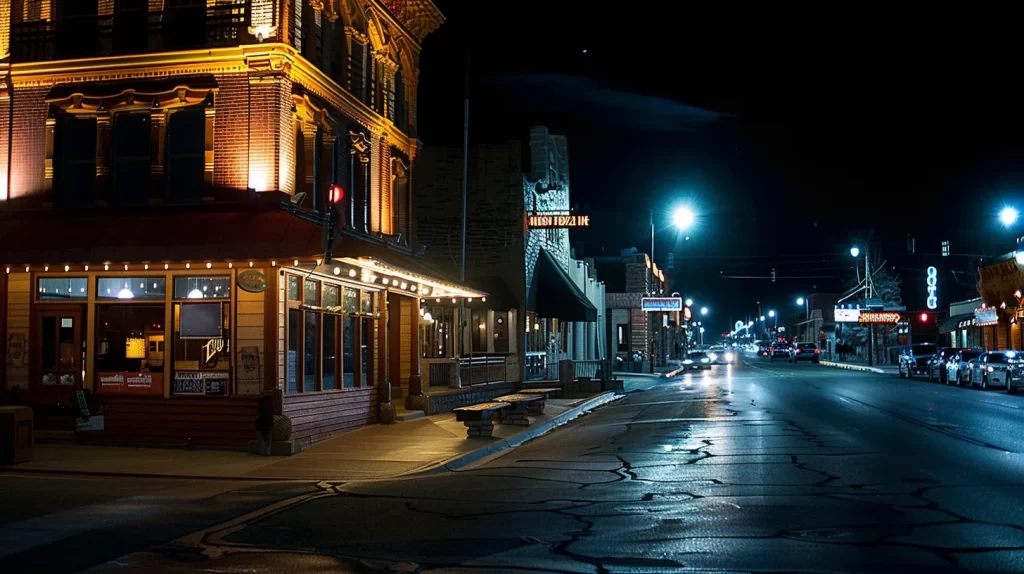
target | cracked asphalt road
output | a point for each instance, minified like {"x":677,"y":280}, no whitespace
{"x":759,"y":467}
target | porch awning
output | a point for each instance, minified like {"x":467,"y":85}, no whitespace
{"x":953,"y":323}
{"x":553,"y":294}
{"x":233,"y":232}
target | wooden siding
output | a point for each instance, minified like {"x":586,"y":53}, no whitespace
{"x":19,"y":304}
{"x":316,"y":416}
{"x":249,"y":328}
{"x":409,"y":319}
{"x":208,"y":421}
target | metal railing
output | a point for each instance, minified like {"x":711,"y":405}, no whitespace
{"x":478,"y":369}
{"x":588,"y":369}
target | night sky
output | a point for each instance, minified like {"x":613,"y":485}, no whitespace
{"x":789,"y":139}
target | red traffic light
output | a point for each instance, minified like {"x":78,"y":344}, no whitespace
{"x":924,"y":317}
{"x":335,"y":194}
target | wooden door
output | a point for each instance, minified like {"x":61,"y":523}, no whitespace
{"x":57,"y":356}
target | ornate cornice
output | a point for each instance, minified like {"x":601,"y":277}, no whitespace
{"x":418,"y":17}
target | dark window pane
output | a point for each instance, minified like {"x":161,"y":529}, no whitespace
{"x":366,"y":345}
{"x":58,"y":289}
{"x":186,"y":154}
{"x":293,"y":350}
{"x":332,"y":294}
{"x":349,"y":354}
{"x":311,"y":342}
{"x":74,"y":175}
{"x":130,"y":158}
{"x":293,"y":288}
{"x":329,"y":352}
{"x":131,"y":26}
{"x":310,"y":295}
{"x":76,"y":29}
{"x":67,"y":343}
{"x":351,"y":300}
{"x":185,"y":24}
{"x":49,"y":343}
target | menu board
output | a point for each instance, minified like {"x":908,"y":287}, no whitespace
{"x":131,"y":383}
{"x":201,"y":383}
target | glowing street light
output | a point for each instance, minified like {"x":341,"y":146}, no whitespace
{"x":771,"y":313}
{"x":1008,"y":216}
{"x":703,"y":310}
{"x":689,"y":302}
{"x":683,"y":217}
{"x":762,"y":317}
{"x":799,"y":300}
{"x":855,"y":251}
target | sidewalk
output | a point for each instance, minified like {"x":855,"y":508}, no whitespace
{"x":372,"y":452}
{"x":856,"y":365}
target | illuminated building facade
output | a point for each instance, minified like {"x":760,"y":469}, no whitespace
{"x":164,"y":169}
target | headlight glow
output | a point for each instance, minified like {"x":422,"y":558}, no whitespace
{"x":728,"y":356}
{"x":713,"y":356}
{"x":688,"y":362}
{"x":705,"y":360}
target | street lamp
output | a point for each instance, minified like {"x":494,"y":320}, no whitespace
{"x":683,"y":217}
{"x":703,"y":310}
{"x":689,"y":302}
{"x":807,"y":306}
{"x":1008,"y":216}
{"x":771,"y":313}
{"x":855,"y":251}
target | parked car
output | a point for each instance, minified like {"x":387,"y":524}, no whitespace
{"x":778,"y":350}
{"x":914,"y":359}
{"x":937,"y":364}
{"x":1001,"y":368}
{"x":721,"y":355}
{"x":958,"y":365}
{"x":804,"y":352}
{"x":697,"y":360}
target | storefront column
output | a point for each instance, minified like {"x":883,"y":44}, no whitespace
{"x":383,"y":353}
{"x":415,"y":380}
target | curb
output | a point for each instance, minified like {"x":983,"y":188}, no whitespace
{"x":14,"y":469}
{"x":853,"y":367}
{"x":518,"y":439}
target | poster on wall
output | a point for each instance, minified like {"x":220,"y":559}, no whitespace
{"x":131,"y":383}
{"x":186,"y":383}
{"x":16,"y":350}
{"x":250,"y":380}
{"x":216,"y":383}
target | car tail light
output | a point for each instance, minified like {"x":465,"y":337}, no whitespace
{"x":798,"y":351}
{"x":817,"y":351}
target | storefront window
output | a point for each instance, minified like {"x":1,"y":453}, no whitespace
{"x":351,"y":300}
{"x":349,"y":347}
{"x":293,"y":288}
{"x":202,"y":287}
{"x":437,"y":332}
{"x":366,"y":346}
{"x":61,"y":289}
{"x":366,"y":302}
{"x":309,"y":377}
{"x":202,"y":354}
{"x":332,"y":295}
{"x":131,"y":288}
{"x":328,"y":350}
{"x":293,"y":349}
{"x":311,"y":293}
{"x":130,"y":352}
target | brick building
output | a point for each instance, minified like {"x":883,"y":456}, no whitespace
{"x":544,"y":305}
{"x":164,"y":177}
{"x":630,"y":277}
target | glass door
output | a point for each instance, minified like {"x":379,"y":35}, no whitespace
{"x":59,"y":353}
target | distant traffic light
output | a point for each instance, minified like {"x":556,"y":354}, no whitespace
{"x":924,"y":317}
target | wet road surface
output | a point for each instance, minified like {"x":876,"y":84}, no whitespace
{"x":758,"y":467}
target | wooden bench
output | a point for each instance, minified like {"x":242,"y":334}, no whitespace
{"x":520,"y":404}
{"x":537,"y":407}
{"x":479,"y":418}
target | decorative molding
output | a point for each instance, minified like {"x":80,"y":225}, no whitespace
{"x":176,"y":97}
{"x":309,"y":114}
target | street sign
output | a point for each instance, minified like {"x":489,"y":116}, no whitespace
{"x":847,"y":315}
{"x":661,"y":304}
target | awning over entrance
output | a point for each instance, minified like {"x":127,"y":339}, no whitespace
{"x":953,"y":323}
{"x":553,"y":294}
{"x":232,"y":233}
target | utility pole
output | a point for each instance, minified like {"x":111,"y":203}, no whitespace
{"x":869,"y":293}
{"x":465,"y":186}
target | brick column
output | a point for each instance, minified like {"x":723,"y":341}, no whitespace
{"x":51,"y":125}
{"x":102,"y":149}
{"x":208,"y":154}
{"x":411,"y":80}
{"x":157,"y":137}
{"x":309,"y":151}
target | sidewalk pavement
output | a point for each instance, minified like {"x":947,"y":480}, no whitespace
{"x":862,"y":366}
{"x":371,"y":452}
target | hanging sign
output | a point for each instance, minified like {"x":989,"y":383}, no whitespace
{"x":661,"y":304}
{"x":847,"y":315}
{"x":890,"y":317}
{"x":932,"y":287}
{"x":542,"y":220}
{"x":986,"y":316}
{"x":252,"y":281}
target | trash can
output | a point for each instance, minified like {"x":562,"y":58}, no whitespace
{"x":15,"y":435}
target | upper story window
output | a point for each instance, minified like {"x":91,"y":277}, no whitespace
{"x":186,"y":153}
{"x":130,"y":165}
{"x":131,"y":26}
{"x":74,"y":158}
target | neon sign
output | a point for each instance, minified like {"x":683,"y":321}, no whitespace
{"x":932,"y":286}
{"x":544,"y":221}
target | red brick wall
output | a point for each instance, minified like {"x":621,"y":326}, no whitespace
{"x":29,"y":141}
{"x":230,"y":132}
{"x":5,"y":111}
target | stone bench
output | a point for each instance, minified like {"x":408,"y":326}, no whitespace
{"x":479,"y":418}
{"x":519,"y":407}
{"x":536,"y":408}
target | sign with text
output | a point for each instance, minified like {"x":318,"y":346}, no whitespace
{"x":932,"y":288}
{"x":847,"y":315}
{"x":540,"y":220}
{"x":986,"y":316}
{"x":890,"y":317}
{"x":131,"y":383}
{"x":252,"y":281}
{"x":661,"y":304}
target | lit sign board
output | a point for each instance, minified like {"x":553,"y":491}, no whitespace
{"x":541,"y":221}
{"x":891,"y":317}
{"x":986,"y":316}
{"x":661,"y":304}
{"x":847,"y":315}
{"x":932,"y":285}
